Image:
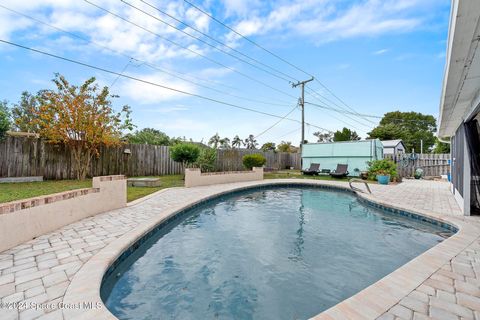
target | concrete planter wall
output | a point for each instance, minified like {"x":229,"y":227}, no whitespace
{"x":193,"y":177}
{"x":23,"y":220}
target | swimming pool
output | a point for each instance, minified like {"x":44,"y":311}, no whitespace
{"x":285,"y":253}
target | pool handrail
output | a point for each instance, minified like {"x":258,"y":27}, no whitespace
{"x":358,"y":189}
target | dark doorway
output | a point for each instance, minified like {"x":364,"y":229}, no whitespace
{"x":472,"y":139}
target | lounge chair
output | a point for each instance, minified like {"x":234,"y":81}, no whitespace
{"x":313,"y":170}
{"x":340,"y":172}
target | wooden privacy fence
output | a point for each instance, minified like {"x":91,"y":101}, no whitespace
{"x":231,"y":159}
{"x":432,"y":164}
{"x":21,"y":157}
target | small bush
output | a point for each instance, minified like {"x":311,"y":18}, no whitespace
{"x":186,"y":153}
{"x":253,"y":160}
{"x":382,"y":167}
{"x":206,"y":160}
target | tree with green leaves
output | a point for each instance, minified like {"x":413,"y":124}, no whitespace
{"x":237,"y":142}
{"x":24,"y":112}
{"x":82,"y":118}
{"x":268,"y":146}
{"x":185,"y":153}
{"x":251,"y":142}
{"x":285,"y":146}
{"x":149,"y":136}
{"x":206,"y":160}
{"x":214,"y":141}
{"x":345,"y":135}
{"x":411,"y":127}
{"x":4,"y":119}
{"x":323,"y":137}
{"x":441,"y":147}
{"x":225,"y":143}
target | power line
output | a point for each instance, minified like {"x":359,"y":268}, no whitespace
{"x":268,"y":51}
{"x":152,"y":83}
{"x":366,"y":115}
{"x":343,"y":112}
{"x":217,"y":41}
{"x":343,"y":102}
{"x":273,"y":125}
{"x":322,"y":99}
{"x":152,"y":66}
{"x":189,"y":50}
{"x":286,"y":134}
{"x":201,"y":40}
{"x":244,"y":37}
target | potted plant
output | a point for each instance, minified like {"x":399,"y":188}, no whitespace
{"x":382,"y":170}
{"x":364,"y":175}
{"x":418,"y":173}
{"x":383,"y":177}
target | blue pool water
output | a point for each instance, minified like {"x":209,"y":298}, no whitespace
{"x":279,"y":253}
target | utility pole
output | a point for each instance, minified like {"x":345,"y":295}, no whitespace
{"x":302,"y":105}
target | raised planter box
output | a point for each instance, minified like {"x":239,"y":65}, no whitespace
{"x":21,"y":179}
{"x":144,"y":182}
{"x":23,"y":220}
{"x":193,"y":177}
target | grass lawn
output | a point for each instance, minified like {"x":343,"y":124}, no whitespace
{"x":134,"y":193}
{"x":24,"y":190}
{"x":296,"y":174}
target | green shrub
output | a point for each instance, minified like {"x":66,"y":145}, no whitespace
{"x":4,"y":119}
{"x":253,"y":160}
{"x":206,"y":160}
{"x":186,"y":153}
{"x":382,"y":167}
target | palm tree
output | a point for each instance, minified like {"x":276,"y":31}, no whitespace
{"x":225,"y":143}
{"x":250,"y":142}
{"x":214,"y":141}
{"x":237,"y":142}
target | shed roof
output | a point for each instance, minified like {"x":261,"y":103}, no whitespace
{"x":392,"y":143}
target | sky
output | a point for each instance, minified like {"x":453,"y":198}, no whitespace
{"x":368,"y":57}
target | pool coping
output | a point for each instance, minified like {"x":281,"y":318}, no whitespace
{"x":369,"y":303}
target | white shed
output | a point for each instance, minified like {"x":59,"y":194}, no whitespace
{"x":393,"y":147}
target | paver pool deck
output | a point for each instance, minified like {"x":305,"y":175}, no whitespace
{"x":443,"y":283}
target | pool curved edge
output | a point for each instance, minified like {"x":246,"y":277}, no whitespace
{"x":369,"y":303}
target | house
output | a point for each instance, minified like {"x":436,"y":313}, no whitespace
{"x":393,"y":147}
{"x":356,"y":154}
{"x":460,"y":103}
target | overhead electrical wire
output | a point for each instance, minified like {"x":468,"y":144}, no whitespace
{"x":190,"y":50}
{"x":198,"y":39}
{"x":186,"y":48}
{"x":201,"y":40}
{"x":273,"y":125}
{"x":269,"y":52}
{"x":366,"y":115}
{"x":342,"y":112}
{"x":153,"y":83}
{"x":150,"y":65}
{"x":216,"y":40}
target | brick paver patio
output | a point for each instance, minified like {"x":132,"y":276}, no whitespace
{"x":41,"y":270}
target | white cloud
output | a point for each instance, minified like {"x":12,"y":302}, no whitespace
{"x":183,"y":125}
{"x":323,"y":21}
{"x":166,"y":110}
{"x":380,"y":52}
{"x":143,"y":93}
